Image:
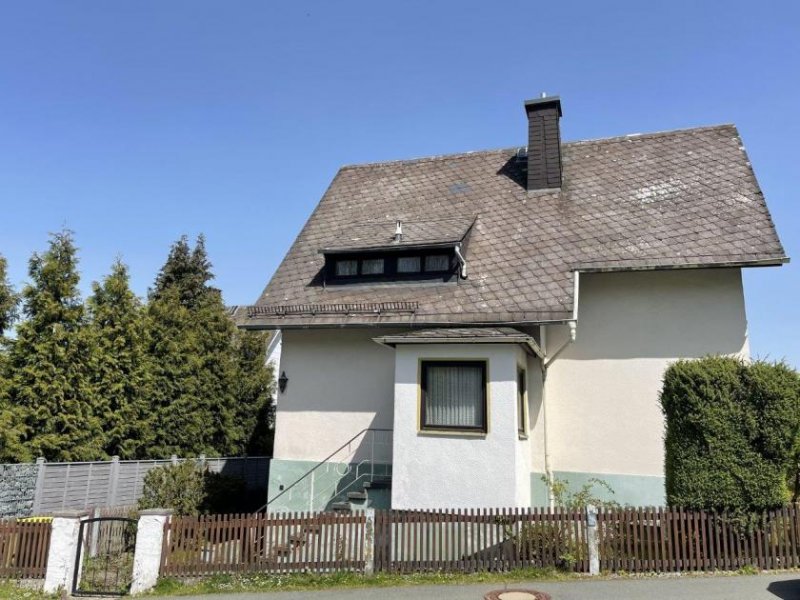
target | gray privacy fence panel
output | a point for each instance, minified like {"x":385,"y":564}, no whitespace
{"x":41,"y":488}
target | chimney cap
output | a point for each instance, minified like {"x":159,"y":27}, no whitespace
{"x":546,"y":102}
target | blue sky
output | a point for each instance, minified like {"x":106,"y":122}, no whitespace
{"x":132,"y":122}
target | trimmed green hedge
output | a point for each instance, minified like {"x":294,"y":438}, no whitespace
{"x":731,"y":433}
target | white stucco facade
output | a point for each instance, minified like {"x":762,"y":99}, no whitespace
{"x":600,"y":412}
{"x":468,"y":469}
{"x":340,"y":382}
{"x":602,"y":392}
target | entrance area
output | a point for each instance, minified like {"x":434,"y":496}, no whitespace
{"x":104,"y":561}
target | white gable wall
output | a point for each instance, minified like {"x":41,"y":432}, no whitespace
{"x":602,"y":392}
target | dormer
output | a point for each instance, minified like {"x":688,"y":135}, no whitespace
{"x":399,"y":251}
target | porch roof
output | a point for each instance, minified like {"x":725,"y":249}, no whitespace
{"x":464,"y":335}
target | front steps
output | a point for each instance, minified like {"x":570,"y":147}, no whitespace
{"x":374,"y":493}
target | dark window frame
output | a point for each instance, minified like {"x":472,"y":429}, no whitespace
{"x":390,"y":272}
{"x":522,"y":402}
{"x":423,"y":383}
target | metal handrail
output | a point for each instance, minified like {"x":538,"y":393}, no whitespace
{"x":319,"y":464}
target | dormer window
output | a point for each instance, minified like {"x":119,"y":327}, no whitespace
{"x":408,"y":264}
{"x":437,"y":262}
{"x":346,"y":268}
{"x":399,"y":251}
{"x":372,"y":266}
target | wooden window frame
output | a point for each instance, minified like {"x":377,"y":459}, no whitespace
{"x":424,"y":364}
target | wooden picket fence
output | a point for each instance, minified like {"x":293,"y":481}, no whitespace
{"x":629,"y":539}
{"x":23,"y":548}
{"x":480,"y":540}
{"x":276,"y":543}
{"x":674,"y":539}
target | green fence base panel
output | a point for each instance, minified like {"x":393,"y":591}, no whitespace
{"x":326,"y":485}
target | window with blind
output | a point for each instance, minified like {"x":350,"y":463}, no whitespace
{"x":453,"y":395}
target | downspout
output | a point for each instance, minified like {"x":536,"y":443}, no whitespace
{"x":545,"y":365}
{"x":461,"y":261}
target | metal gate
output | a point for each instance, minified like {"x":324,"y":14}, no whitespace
{"x":104,"y":562}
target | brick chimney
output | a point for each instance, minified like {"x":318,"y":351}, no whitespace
{"x":544,"y":143}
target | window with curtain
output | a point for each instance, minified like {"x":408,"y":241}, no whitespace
{"x":408,"y":264}
{"x":372,"y":266}
{"x":437,"y":262}
{"x":454,"y":395}
{"x":522,"y":395}
{"x":345,"y":268}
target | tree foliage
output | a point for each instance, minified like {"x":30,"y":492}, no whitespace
{"x":731,"y":433}
{"x":120,"y":371}
{"x":116,"y":376}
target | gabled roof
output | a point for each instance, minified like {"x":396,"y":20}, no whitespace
{"x":675,"y":199}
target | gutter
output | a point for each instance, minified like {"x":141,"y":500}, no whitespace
{"x":545,"y":365}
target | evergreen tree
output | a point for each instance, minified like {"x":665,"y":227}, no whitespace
{"x":119,"y":373}
{"x":193,"y":367}
{"x":9,"y":300}
{"x":187,"y":271}
{"x":51,"y":361}
{"x":10,"y":433}
{"x":254,"y":394}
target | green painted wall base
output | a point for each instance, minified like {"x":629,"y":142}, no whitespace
{"x":634,"y":490}
{"x":324,"y":486}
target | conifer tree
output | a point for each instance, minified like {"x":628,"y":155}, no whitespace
{"x":10,"y":434}
{"x":193,"y":369}
{"x":119,"y":373}
{"x":51,"y":361}
{"x":9,"y":300}
{"x":255,"y":392}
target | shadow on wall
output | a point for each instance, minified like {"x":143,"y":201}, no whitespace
{"x":786,"y":590}
{"x":658,"y":314}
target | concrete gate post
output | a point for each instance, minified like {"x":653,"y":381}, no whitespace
{"x":63,"y":552}
{"x":149,"y":543}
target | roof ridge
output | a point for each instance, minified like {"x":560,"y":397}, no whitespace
{"x":651,"y":134}
{"x":455,"y":155}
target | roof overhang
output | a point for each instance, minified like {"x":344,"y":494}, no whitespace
{"x":499,"y":335}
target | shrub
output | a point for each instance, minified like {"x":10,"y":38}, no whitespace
{"x":179,"y":487}
{"x":190,"y":489}
{"x":731,"y":432}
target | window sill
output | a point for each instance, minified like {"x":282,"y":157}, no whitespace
{"x":452,"y":433}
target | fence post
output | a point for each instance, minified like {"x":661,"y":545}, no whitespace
{"x":149,"y":544}
{"x":369,"y":541}
{"x":113,"y":481}
{"x":62,"y":557}
{"x":591,"y":539}
{"x":39,"y":489}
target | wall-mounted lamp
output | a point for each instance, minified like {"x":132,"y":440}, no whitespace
{"x":282,"y":381}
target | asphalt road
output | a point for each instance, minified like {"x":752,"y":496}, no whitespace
{"x":754,"y":587}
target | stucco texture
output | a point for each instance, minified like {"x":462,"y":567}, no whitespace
{"x":604,"y":418}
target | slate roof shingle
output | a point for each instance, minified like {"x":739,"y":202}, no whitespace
{"x":671,"y":199}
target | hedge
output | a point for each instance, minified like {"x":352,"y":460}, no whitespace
{"x":731,"y":433}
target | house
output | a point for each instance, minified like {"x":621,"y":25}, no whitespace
{"x":457,"y":328}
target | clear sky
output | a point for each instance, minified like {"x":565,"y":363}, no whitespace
{"x":132,"y":122}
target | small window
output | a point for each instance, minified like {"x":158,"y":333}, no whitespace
{"x":522,"y":397}
{"x":372,"y":266}
{"x":437,"y":262}
{"x":453,"y":395}
{"x":408,"y":264}
{"x":346,"y":268}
